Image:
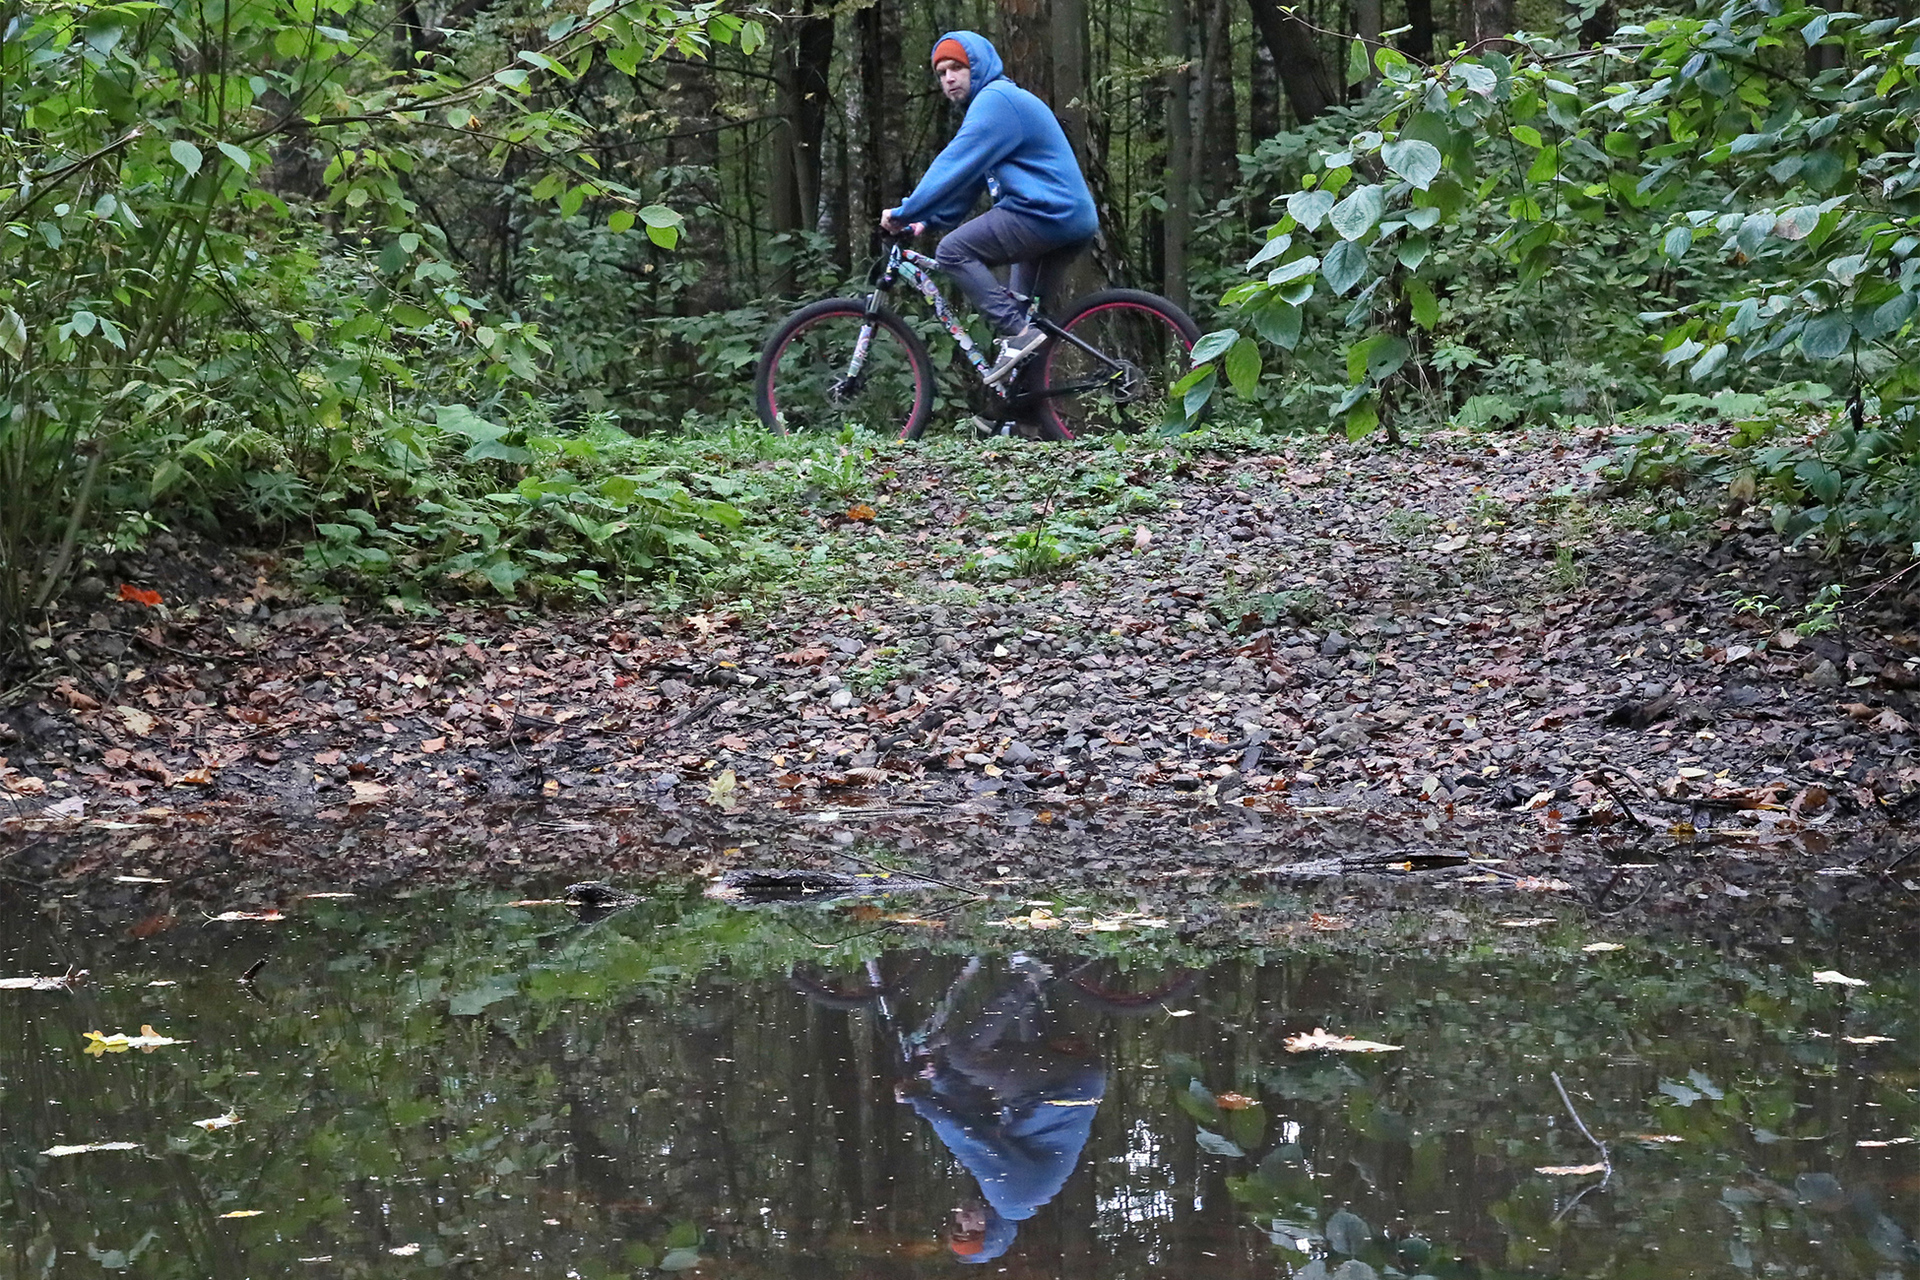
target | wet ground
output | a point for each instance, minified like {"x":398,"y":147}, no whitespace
{"x":444,"y":1083}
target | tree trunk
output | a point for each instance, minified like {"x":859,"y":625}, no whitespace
{"x":1484,"y":20}
{"x":1368,"y":23}
{"x":1217,"y":128}
{"x":1417,"y":40}
{"x":1179,"y":156}
{"x":1311,"y":88}
{"x":1026,"y":45}
{"x":1263,"y":91}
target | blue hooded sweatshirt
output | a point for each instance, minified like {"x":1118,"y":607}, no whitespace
{"x":1011,"y":142}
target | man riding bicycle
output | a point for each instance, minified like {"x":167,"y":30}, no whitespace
{"x":1042,"y":215}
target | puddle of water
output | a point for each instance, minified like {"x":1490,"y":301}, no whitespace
{"x":440,"y":1083}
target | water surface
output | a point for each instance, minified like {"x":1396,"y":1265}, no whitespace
{"x":444,"y":1084}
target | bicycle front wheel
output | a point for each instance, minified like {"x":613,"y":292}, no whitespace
{"x":833,"y":365}
{"x":1113,"y":372}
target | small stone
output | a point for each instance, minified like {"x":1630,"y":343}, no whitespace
{"x":841,"y":699}
{"x":1826,"y":675}
{"x":88,"y":590}
{"x":1017,"y":753}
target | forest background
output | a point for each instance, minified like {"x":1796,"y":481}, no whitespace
{"x":466,"y":296}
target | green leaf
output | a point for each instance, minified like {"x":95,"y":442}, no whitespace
{"x":1357,"y":214}
{"x":1213,"y":345}
{"x":240,"y":157}
{"x":13,"y":334}
{"x":1310,"y":208}
{"x":1416,"y":161}
{"x":1359,"y":65}
{"x":1413,"y":252}
{"x":1362,"y":419}
{"x":1678,"y":241}
{"x":1426,"y":307}
{"x":408,"y":316}
{"x":1826,"y":336}
{"x":1198,"y":395}
{"x":1526,"y":135}
{"x":1278,"y":323}
{"x":1243,"y":368}
{"x":658,"y":215}
{"x":185,"y":154}
{"x":1343,"y":266}
{"x":1273,"y":248}
{"x":1289,"y":271}
{"x":665,"y":237}
{"x":1797,"y":223}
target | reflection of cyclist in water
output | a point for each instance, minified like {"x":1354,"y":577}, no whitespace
{"x":1011,"y":1100}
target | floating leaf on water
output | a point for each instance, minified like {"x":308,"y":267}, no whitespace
{"x":1867,"y":1039}
{"x":226,"y":1121}
{"x":147,"y":1041}
{"x":242,"y":1213}
{"x":1658,"y":1137}
{"x":328,"y":895}
{"x":1234,"y":1101}
{"x":228,"y":917}
{"x":85,"y":1147}
{"x":1321,"y":1039}
{"x":537,"y":902}
{"x":56,"y":982}
{"x":1602,"y":946}
{"x":404,"y":1250}
{"x":1179,"y":1013}
{"x":1886,"y":1142}
{"x":1525,"y":922}
{"x":1569,"y":1170}
{"x":1836,"y":977}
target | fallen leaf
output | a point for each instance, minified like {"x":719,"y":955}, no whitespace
{"x":27,"y":786}
{"x":211,"y":1123}
{"x":1234,"y":1101}
{"x":139,"y":595}
{"x":1525,"y":922}
{"x":1885,"y":1142}
{"x":196,"y":778}
{"x":404,"y":1250}
{"x":1867,"y":1039}
{"x":1658,"y":1137}
{"x":1541,"y":884}
{"x":1603,"y":946}
{"x":58,"y":982}
{"x":327,"y":757}
{"x":724,"y":791}
{"x":1327,"y":924}
{"x":228,"y":917}
{"x":91,"y":1146}
{"x":1142,"y":538}
{"x":1835,"y":977}
{"x":368,"y":792}
{"x":244,"y":1213}
{"x":1569,"y":1170}
{"x":861,"y":511}
{"x":433,"y":745}
{"x":147,"y":1041}
{"x":137,"y":721}
{"x":1321,"y":1039}
{"x":536,"y":902}
{"x":328,"y":895}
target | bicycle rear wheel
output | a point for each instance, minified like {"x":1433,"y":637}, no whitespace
{"x":1140,"y":343}
{"x":806,"y":380}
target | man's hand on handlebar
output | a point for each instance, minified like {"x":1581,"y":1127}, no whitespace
{"x":894,"y":227}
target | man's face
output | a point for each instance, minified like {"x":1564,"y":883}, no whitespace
{"x":955,"y":79}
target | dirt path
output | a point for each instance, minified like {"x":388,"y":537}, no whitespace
{"x":1441,"y":639}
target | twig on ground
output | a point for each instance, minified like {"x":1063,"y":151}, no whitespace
{"x":1600,"y":776}
{"x":688,"y":717}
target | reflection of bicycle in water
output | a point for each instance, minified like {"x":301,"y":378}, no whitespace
{"x":1109,"y":365}
{"x":1008,"y":1090}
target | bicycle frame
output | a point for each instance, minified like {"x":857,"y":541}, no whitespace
{"x":917,"y":270}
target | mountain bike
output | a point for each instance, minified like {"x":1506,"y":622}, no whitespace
{"x":1107,"y":365}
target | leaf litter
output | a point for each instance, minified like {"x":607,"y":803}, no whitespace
{"x":147,"y":1041}
{"x":1320,"y":1040}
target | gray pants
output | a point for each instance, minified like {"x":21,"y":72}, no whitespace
{"x":997,"y":238}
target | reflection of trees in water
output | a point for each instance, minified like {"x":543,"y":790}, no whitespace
{"x":627,"y":1080}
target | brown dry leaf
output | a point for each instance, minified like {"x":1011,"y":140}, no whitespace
{"x":1234,"y":1101}
{"x":116,"y":758}
{"x":368,"y":792}
{"x":1320,"y":1039}
{"x":27,"y":786}
{"x":860,"y":511}
{"x":195,"y":778}
{"x":433,"y":745}
{"x":1321,"y":923}
{"x":138,"y":722}
{"x":158,"y":922}
{"x":1569,"y":1170}
{"x":228,"y":917}
{"x":1525,"y":922}
{"x":1890,"y":722}
{"x":74,"y":698}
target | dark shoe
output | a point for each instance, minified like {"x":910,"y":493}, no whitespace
{"x":1014,"y":352}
